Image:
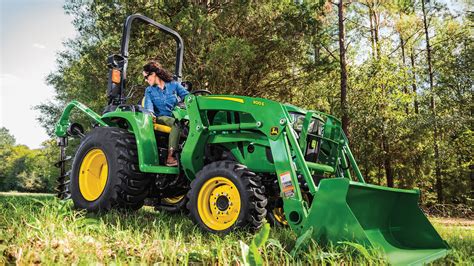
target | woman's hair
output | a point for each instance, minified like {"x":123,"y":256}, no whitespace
{"x":155,"y":67}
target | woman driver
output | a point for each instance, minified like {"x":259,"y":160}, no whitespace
{"x":160,"y":99}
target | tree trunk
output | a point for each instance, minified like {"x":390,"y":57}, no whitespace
{"x":342,"y":61}
{"x":417,"y":161}
{"x":439,"y":184}
{"x":402,"y":45}
{"x":372,"y":38}
{"x":374,"y":29}
{"x":376,"y":17}
{"x":413,"y":84}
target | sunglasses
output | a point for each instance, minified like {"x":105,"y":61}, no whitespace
{"x":146,"y":77}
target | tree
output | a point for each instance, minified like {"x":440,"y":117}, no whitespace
{"x":6,"y":139}
{"x":342,"y":60}
{"x":263,"y":55}
{"x":452,"y":56}
{"x":288,"y":52}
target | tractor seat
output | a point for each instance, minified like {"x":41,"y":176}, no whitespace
{"x":157,"y":127}
{"x":161,"y":128}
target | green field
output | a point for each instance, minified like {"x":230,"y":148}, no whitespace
{"x":37,"y":228}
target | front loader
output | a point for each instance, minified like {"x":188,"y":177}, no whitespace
{"x":241,"y":160}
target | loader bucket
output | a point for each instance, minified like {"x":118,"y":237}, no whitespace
{"x":387,"y":219}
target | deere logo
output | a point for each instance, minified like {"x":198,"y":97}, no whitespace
{"x":274,"y":131}
{"x":313,"y":144}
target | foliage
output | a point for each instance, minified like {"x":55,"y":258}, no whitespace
{"x":41,"y":229}
{"x":250,"y":253}
{"x":389,"y":97}
{"x":23,"y":169}
{"x":303,"y":239}
{"x":288,"y":52}
{"x":223,"y":52}
{"x":6,"y":139}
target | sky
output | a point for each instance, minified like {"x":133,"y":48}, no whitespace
{"x":32,"y":32}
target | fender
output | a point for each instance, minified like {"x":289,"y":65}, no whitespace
{"x":141,"y":125}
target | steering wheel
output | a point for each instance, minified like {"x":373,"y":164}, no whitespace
{"x":200,"y":92}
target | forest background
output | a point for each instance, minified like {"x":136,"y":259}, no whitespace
{"x":399,"y":74}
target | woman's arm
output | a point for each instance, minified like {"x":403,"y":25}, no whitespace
{"x":148,"y":103}
{"x":181,"y":91}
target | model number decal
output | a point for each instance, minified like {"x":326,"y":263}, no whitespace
{"x":287,"y":186}
{"x":259,"y":103}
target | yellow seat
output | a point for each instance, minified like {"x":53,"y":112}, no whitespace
{"x":161,"y":128}
{"x":158,"y":127}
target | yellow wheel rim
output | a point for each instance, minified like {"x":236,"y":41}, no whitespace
{"x":173,"y":200}
{"x":280,"y":216}
{"x":218,"y":203}
{"x":93,"y":174}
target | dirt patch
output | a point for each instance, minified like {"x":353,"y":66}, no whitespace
{"x":460,"y":222}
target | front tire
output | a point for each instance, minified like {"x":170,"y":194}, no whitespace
{"x":225,"y":195}
{"x":105,"y":172}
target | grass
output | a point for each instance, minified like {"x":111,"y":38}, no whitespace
{"x":41,"y":229}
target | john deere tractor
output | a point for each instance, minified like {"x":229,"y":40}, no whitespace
{"x":241,"y":159}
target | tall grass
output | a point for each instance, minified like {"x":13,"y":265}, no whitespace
{"x":42,"y":229}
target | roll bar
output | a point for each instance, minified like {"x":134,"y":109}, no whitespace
{"x":126,"y":38}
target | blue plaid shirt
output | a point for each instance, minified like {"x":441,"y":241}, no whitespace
{"x":161,"y":102}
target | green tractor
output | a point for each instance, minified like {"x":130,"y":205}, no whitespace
{"x":241,"y":160}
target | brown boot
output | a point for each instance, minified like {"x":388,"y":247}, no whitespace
{"x":171,"y":161}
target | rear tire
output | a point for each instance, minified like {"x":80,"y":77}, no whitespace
{"x":173,"y":204}
{"x":105,"y":172}
{"x":225,"y":195}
